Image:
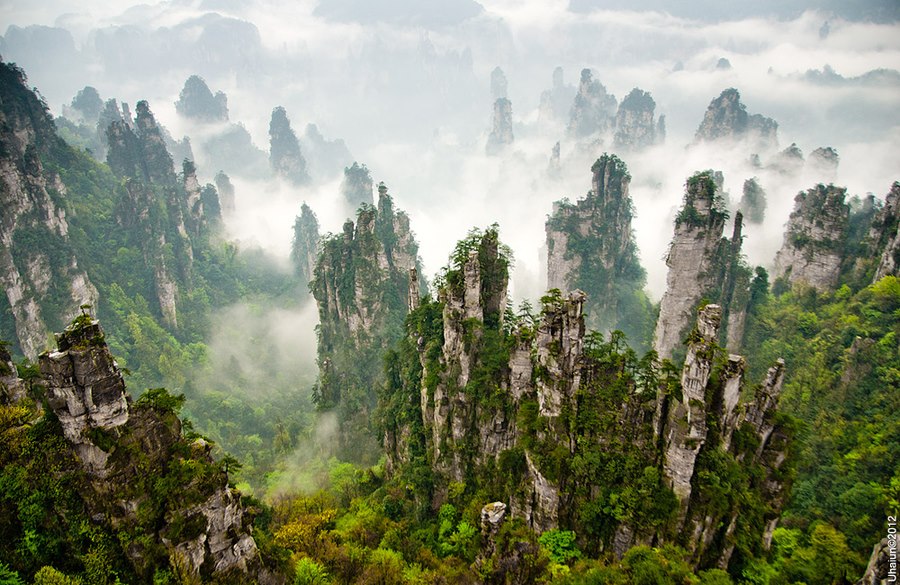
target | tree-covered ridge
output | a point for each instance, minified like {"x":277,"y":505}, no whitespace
{"x":843,"y":350}
{"x":575,"y":432}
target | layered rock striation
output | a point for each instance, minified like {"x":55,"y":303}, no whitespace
{"x":815,"y":238}
{"x":43,"y":281}
{"x":702,"y":266}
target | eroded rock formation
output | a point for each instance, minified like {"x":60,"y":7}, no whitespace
{"x":814,"y":239}
{"x":593,"y":111}
{"x":37,"y":262}
{"x":727,"y":118}
{"x":285,"y":157}
{"x":361,"y":287}
{"x":124,"y":447}
{"x":537,"y":409}
{"x":590,"y":246}
{"x":304,"y":248}
{"x":635,"y":122}
{"x":702,"y":264}
{"x":884,"y":237}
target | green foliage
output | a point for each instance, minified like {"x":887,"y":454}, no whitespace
{"x":309,"y":572}
{"x":560,"y":545}
{"x":8,"y":576}
{"x":842,"y":361}
{"x":161,"y":400}
{"x":50,"y":576}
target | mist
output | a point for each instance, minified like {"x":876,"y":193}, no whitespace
{"x":411,"y":99}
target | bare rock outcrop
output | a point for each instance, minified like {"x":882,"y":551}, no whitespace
{"x":636,"y":126}
{"x":702,"y":264}
{"x":36,"y":258}
{"x":882,"y":567}
{"x":814,"y":239}
{"x":726,"y":118}
{"x":123,"y":446}
{"x":361,"y":287}
{"x":884,"y":237}
{"x":687,"y":417}
{"x":305,"y":245}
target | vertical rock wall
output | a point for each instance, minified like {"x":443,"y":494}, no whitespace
{"x":814,"y":239}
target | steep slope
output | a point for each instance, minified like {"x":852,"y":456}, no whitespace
{"x":815,"y":238}
{"x":590,"y":246}
{"x":703,"y":266}
{"x":43,"y":280}
{"x":726,"y":119}
{"x":361,"y":285}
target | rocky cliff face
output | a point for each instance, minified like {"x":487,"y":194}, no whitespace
{"x":127,"y":450}
{"x":357,"y":185}
{"x":501,"y":136}
{"x":727,"y":118}
{"x":593,"y":111}
{"x":882,"y":567}
{"x":535,"y":408}
{"x":285,"y":158}
{"x":12,"y":389}
{"x":164,"y":214}
{"x":39,"y":272}
{"x":635,"y":122}
{"x":304,"y":248}
{"x":884,"y":237}
{"x":814,"y":239}
{"x":702,"y":265}
{"x":591,"y":247}
{"x":361,"y":287}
